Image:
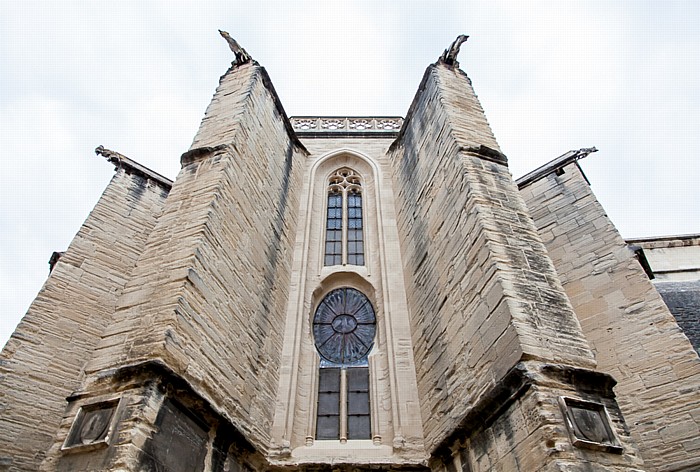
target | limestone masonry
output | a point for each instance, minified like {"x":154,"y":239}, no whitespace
{"x":351,"y":294}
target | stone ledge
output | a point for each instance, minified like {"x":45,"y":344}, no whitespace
{"x":489,"y":407}
{"x":131,"y":166}
{"x":554,"y":165}
{"x":145,"y":372}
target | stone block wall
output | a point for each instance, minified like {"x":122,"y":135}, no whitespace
{"x":207,"y":297}
{"x":525,"y":431}
{"x":482,"y":293}
{"x":43,"y":360}
{"x":634,"y":336}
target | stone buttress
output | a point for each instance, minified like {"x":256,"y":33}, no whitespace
{"x":502,"y":362}
{"x":192,"y":347}
{"x":195,"y":341}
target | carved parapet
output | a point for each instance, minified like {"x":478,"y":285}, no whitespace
{"x":325,"y":126}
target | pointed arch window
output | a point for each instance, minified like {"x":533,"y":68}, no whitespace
{"x":344,"y":327}
{"x":344,"y":222}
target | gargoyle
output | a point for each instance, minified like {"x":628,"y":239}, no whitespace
{"x":241,"y":55}
{"x":108,"y":153}
{"x":112,"y":156}
{"x":449,"y":57}
{"x":583,"y":152}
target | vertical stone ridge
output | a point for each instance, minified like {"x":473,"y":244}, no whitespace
{"x":209,"y":293}
{"x":227,"y":110}
{"x":223,"y":116}
{"x":483,"y":294}
{"x":43,"y":360}
{"x":468,"y":123}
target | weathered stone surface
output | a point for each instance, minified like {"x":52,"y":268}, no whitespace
{"x":42,"y":362}
{"x":635,"y":338}
{"x":522,"y":427}
{"x":207,"y":295}
{"x":482,"y":291}
{"x":395,"y":417}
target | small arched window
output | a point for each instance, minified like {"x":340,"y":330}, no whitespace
{"x":344,"y":223}
{"x":344,"y":326}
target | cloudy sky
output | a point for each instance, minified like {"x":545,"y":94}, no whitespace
{"x":137,"y":76}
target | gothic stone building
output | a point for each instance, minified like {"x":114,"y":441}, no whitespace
{"x":348,"y":294}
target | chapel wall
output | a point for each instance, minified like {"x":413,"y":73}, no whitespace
{"x":396,"y":433}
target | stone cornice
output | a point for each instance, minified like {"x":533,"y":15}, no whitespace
{"x":554,"y":166}
{"x":131,"y":166}
{"x":347,"y":126}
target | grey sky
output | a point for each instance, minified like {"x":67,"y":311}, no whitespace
{"x":136,"y":77}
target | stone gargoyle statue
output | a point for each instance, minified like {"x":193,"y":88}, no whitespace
{"x":241,"y":55}
{"x":449,"y":57}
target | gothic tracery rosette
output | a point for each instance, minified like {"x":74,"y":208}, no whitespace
{"x":344,"y":326}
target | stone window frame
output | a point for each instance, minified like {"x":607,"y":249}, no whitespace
{"x":294,"y":425}
{"x":345,"y":183}
{"x":347,"y":395}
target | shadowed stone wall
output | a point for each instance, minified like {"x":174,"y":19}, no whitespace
{"x":635,"y":338}
{"x":43,"y":360}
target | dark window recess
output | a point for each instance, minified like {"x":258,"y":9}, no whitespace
{"x":344,"y":325}
{"x":328,"y":418}
{"x":356,"y":250}
{"x":642,"y":258}
{"x":358,"y":403}
{"x":334,"y":230}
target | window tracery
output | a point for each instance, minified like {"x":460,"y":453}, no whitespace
{"x":344,"y":222}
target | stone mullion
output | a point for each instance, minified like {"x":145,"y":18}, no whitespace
{"x":343,"y":436}
{"x":344,"y":226}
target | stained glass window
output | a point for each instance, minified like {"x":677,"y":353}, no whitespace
{"x":358,"y":403}
{"x":334,"y":229}
{"x":344,"y":326}
{"x":356,"y":250}
{"x":328,"y":415}
{"x":344,"y":225}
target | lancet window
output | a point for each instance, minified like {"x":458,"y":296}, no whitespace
{"x":344,"y":326}
{"x":344,"y":223}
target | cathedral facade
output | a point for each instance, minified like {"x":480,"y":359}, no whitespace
{"x":348,"y":293}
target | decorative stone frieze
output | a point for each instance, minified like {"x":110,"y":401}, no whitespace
{"x":352,"y":126}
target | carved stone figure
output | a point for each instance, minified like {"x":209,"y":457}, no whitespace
{"x":449,"y":57}
{"x":241,"y":55}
